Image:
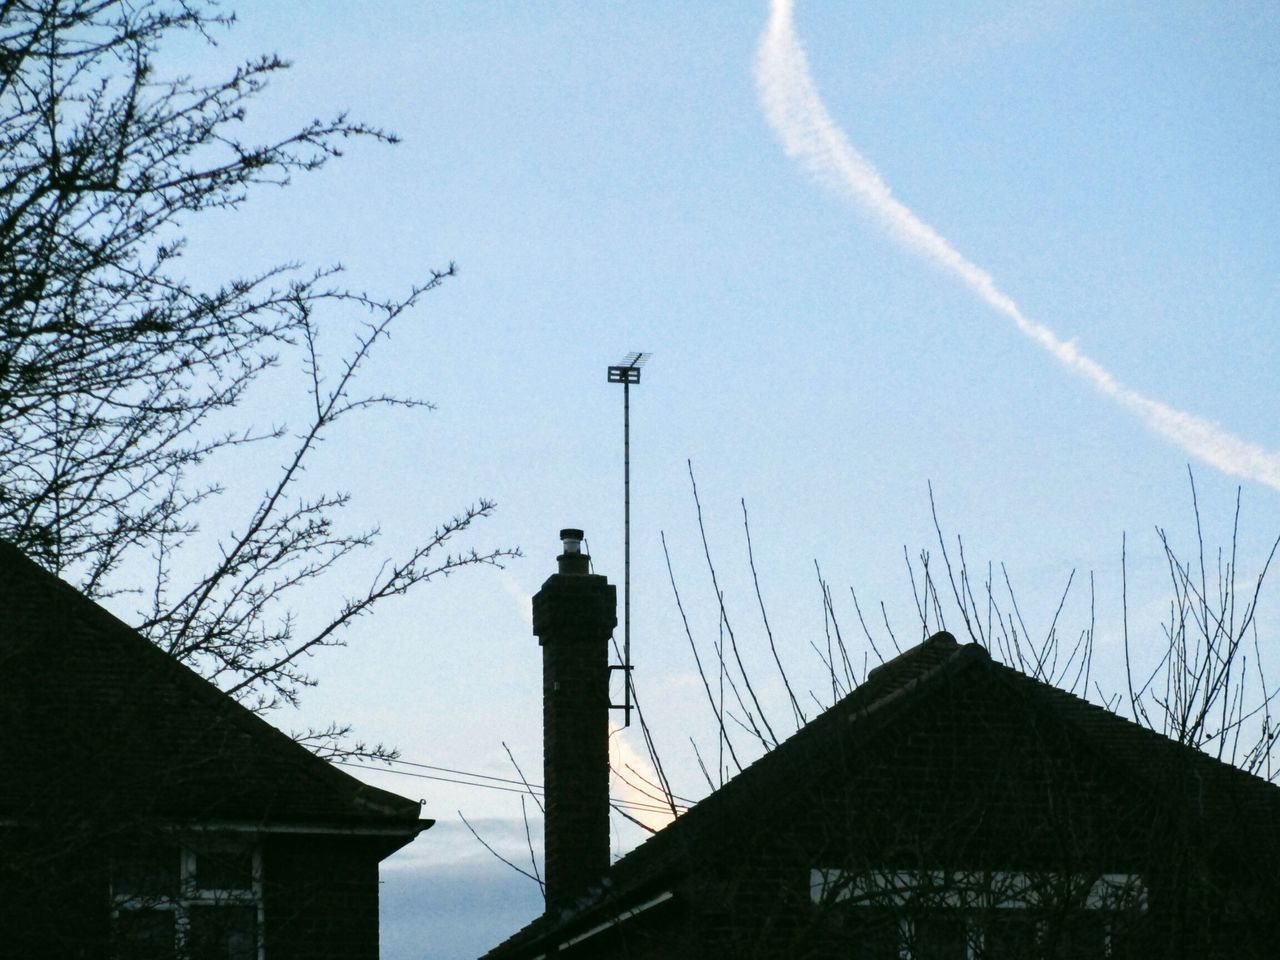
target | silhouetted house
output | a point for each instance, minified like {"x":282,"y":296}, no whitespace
{"x":949,"y":808}
{"x":144,"y":814}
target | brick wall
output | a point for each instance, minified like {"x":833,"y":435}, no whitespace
{"x":320,"y":898}
{"x":53,"y":898}
{"x":320,"y":893}
{"x":573,"y":617}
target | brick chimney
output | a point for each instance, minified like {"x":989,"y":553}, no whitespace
{"x":573,"y":617}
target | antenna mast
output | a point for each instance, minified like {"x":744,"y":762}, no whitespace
{"x":626,"y":373}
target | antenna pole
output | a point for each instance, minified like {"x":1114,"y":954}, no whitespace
{"x":626,"y":553}
{"x":626,"y":373}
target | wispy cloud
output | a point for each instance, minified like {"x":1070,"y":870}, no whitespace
{"x":520,"y":593}
{"x":809,"y":134}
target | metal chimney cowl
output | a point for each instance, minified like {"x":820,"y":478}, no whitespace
{"x":573,"y":617}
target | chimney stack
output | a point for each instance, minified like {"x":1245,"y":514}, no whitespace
{"x":573,"y":617}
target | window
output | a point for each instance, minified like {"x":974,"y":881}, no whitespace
{"x":997,"y":915}
{"x":937,"y":935}
{"x":198,"y":901}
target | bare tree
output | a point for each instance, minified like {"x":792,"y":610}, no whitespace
{"x":1208,"y":688}
{"x":120,"y":380}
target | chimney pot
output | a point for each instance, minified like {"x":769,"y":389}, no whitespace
{"x":572,"y":560}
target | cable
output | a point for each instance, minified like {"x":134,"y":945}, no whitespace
{"x":630,"y":804}
{"x":467,"y":773}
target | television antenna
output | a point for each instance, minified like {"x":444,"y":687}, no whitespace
{"x":626,"y":372}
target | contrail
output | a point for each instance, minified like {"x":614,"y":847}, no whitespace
{"x":799,"y":118}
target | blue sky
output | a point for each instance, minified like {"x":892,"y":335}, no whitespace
{"x":607,"y":180}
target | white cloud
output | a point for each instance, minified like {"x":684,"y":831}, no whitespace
{"x":631,"y":771}
{"x":808,"y":134}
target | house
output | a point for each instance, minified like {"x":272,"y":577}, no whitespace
{"x":144,"y":814}
{"x":949,"y":808}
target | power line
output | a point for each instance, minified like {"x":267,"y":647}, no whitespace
{"x":629,"y":804}
{"x":468,"y":773}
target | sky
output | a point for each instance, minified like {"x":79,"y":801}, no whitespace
{"x":1023,"y":254}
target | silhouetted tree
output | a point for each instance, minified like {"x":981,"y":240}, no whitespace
{"x":1208,"y":687}
{"x":117,"y":373}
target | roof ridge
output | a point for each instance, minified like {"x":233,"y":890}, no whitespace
{"x":954,"y":656}
{"x":80,"y":608}
{"x":929,"y":660}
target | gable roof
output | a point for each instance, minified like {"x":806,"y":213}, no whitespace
{"x":639,"y":879}
{"x":101,"y":724}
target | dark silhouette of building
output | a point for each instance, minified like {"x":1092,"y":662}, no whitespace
{"x":145,"y":814}
{"x":949,"y":808}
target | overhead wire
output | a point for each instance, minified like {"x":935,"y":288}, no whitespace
{"x":499,"y":785}
{"x":509,"y":785}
